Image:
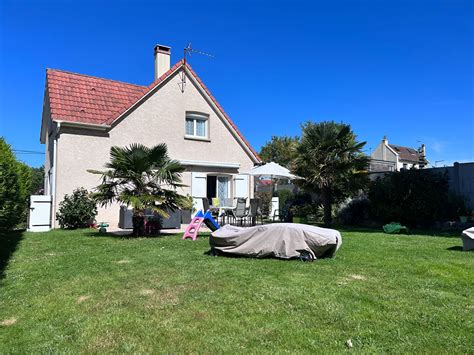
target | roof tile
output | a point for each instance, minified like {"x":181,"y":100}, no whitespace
{"x":87,"y":99}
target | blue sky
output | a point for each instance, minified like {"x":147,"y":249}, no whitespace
{"x":398,"y":68}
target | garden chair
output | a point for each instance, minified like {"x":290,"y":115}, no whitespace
{"x":205,"y":204}
{"x":254,"y":212}
{"x":206,"y":207}
{"x":240,"y":211}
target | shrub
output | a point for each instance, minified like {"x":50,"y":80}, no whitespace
{"x":356,"y":212}
{"x":265,"y":201}
{"x":414,"y":197}
{"x":311,"y":210}
{"x":24,"y":180}
{"x":77,"y":210}
{"x":283,"y":196}
{"x":10,"y":194}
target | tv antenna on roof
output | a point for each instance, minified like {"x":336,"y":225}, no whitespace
{"x":188,"y":51}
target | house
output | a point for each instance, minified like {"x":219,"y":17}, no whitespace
{"x":84,"y":116}
{"x":390,"y":157}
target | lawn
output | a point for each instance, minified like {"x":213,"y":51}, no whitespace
{"x":76,"y":291}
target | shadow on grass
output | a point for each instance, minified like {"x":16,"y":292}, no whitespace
{"x":127,"y":235}
{"x":9,"y":243}
{"x":417,"y":232}
{"x":458,"y":248}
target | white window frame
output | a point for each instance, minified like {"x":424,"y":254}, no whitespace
{"x":197,"y":116}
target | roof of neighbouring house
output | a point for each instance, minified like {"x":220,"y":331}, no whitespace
{"x":407,"y":154}
{"x":87,"y":99}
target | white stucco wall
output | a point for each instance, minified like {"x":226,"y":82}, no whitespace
{"x":160,"y":119}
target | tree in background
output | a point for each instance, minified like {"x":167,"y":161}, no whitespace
{"x":331,"y":163}
{"x":37,"y":181}
{"x":24,"y":177}
{"x":17,"y":182}
{"x":10,"y":195}
{"x":143,"y":178}
{"x":280,"y":150}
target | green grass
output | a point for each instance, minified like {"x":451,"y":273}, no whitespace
{"x":76,"y":291}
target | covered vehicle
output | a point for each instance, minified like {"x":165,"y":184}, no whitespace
{"x":467,"y":237}
{"x":279,"y":240}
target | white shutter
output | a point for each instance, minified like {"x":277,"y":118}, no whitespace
{"x":198,"y":189}
{"x":241,"y":186}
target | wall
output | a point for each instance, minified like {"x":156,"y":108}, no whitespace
{"x":382,"y":152}
{"x":461,"y":180}
{"x":161,"y":118}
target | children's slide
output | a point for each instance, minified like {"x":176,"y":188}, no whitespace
{"x":200,"y":218}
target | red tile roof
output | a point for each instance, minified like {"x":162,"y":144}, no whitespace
{"x":87,"y":99}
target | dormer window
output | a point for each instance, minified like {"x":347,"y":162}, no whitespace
{"x":197,"y":125}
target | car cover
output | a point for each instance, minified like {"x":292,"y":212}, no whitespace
{"x":467,"y":237}
{"x":280,"y":240}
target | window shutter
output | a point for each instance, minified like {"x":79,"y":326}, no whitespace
{"x":241,"y":186}
{"x":198,"y":189}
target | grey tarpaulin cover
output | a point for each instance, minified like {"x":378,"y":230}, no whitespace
{"x":280,"y":240}
{"x":468,"y":239}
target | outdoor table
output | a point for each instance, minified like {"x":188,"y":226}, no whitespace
{"x":222,"y":211}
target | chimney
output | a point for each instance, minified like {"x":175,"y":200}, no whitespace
{"x":162,"y":60}
{"x":422,"y":152}
{"x":384,"y":147}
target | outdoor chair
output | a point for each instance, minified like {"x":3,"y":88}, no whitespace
{"x":240,"y":212}
{"x":276,"y":215}
{"x":206,"y":207}
{"x":254,"y":212}
{"x":216,"y":202}
{"x":205,"y":204}
{"x":228,"y":202}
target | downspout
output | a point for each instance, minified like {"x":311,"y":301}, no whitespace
{"x":55,"y":160}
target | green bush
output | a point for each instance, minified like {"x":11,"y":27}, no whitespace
{"x":414,"y":198}
{"x":77,"y":210}
{"x":283,"y":196}
{"x":10,"y":194}
{"x":265,"y":201}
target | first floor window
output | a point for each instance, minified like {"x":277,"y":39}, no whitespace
{"x":196,"y":125}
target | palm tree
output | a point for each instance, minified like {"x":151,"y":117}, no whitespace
{"x":141,"y":177}
{"x":331,"y":163}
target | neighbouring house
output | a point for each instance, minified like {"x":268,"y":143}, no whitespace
{"x":389,"y":157}
{"x":84,"y":116}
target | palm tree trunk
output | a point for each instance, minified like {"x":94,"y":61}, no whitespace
{"x":138,"y":221}
{"x":327,"y":205}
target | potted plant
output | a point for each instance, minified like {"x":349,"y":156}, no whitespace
{"x":186,"y":214}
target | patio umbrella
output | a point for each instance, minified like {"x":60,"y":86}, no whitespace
{"x":273,"y":170}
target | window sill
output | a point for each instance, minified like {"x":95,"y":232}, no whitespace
{"x":196,"y":138}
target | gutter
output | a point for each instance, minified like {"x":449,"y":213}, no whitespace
{"x":94,"y":126}
{"x":55,"y":170}
{"x":209,"y":164}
